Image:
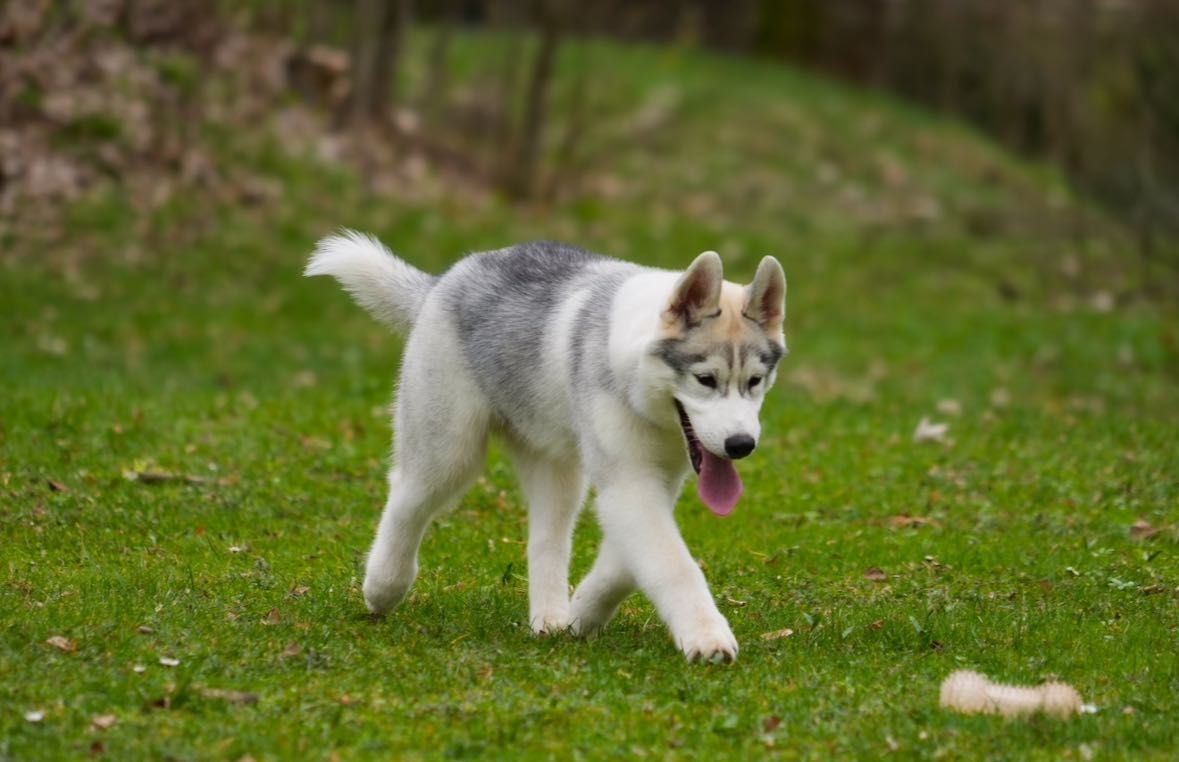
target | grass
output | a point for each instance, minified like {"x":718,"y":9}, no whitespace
{"x":924,"y":266}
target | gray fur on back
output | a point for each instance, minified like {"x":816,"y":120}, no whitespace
{"x":507,"y":300}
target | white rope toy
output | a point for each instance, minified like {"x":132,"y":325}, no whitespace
{"x":971,"y":693}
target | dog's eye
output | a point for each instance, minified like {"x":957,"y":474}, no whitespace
{"x":708,"y":380}
{"x":754,"y":381}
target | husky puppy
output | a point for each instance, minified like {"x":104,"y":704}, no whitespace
{"x":595,"y":372}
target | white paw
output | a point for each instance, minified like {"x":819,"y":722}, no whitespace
{"x":383,"y":595}
{"x":711,"y":644}
{"x":550,"y":623}
{"x":588,"y":621}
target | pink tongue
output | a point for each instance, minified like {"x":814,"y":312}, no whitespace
{"x":720,"y":488}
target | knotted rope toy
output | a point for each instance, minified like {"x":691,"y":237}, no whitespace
{"x":972,"y":693}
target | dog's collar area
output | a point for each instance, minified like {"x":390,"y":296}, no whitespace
{"x":695,"y":451}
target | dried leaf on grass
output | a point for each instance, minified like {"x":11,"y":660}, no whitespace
{"x":104,"y":722}
{"x":777,"y":634}
{"x":63,"y":643}
{"x":905,"y":521}
{"x":1143,"y":530}
{"x":876,"y":574}
{"x":164,"y":477}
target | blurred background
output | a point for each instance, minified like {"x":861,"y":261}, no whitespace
{"x":526,"y":99}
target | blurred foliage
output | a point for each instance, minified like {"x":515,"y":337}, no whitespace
{"x":141,"y":92}
{"x":1091,"y":84}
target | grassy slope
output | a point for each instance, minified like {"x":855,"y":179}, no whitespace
{"x":209,"y":355}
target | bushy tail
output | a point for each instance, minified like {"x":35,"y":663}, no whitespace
{"x":391,"y":290}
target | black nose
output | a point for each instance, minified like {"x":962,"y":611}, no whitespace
{"x":739,"y":445}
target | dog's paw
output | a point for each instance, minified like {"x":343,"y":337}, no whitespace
{"x":552,"y":623}
{"x":382,"y":596}
{"x":714,"y":644}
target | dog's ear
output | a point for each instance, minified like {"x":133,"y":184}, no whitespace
{"x":765,"y":297}
{"x":697,"y":293}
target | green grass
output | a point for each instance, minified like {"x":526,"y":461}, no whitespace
{"x":186,"y":341}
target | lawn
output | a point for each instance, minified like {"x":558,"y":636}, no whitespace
{"x":193,"y":441}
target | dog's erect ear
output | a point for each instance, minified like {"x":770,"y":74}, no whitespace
{"x":697,"y":294}
{"x":765,"y":297}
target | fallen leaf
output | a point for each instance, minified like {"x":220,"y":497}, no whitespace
{"x":63,"y":643}
{"x":928,"y":431}
{"x":104,"y":722}
{"x":57,"y":486}
{"x":274,"y":616}
{"x":168,"y":661}
{"x":163,"y":477}
{"x":143,"y":629}
{"x":904,"y":521}
{"x":347,"y":700}
{"x":292,"y":649}
{"x":777,"y":634}
{"x":1142,"y":530}
{"x":771,"y":723}
{"x":877,"y":625}
{"x":299,"y":591}
{"x":233,"y":697}
{"x":876,"y":574}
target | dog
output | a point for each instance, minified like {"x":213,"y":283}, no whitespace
{"x":594,"y":371}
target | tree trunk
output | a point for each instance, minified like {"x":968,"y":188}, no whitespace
{"x":433,"y":98}
{"x":521,"y":175}
{"x":378,"y":40}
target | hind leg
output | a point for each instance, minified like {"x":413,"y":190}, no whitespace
{"x":414,"y":501}
{"x":441,"y":428}
{"x":555,"y":492}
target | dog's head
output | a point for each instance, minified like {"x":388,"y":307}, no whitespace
{"x":722,"y":343}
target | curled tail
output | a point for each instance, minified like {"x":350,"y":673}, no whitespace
{"x":391,"y":290}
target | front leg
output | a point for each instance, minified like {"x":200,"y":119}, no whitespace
{"x":598,"y":596}
{"x":642,"y":543}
